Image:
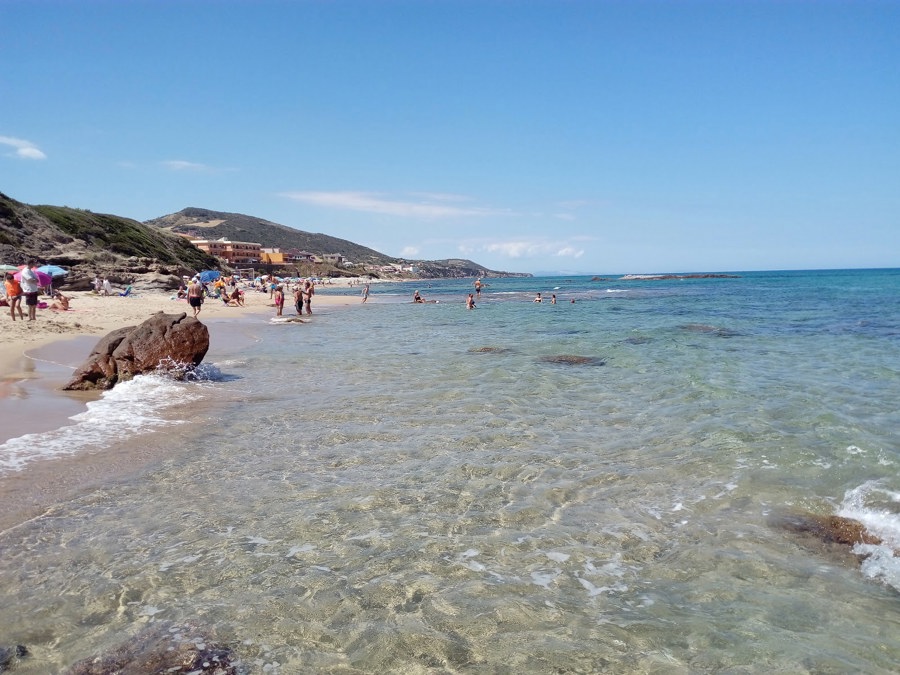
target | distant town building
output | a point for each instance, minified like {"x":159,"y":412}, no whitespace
{"x":271,"y":256}
{"x":230,"y":251}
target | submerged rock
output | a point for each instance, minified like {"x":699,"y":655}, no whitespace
{"x":573,"y":360}
{"x":163,"y":649}
{"x":168,"y":342}
{"x":9,"y":656}
{"x":829,"y":529}
{"x":704,"y":328}
{"x":489,"y":350}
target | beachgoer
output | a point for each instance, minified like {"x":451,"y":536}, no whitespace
{"x":29,"y":282}
{"x":308,"y":292}
{"x":365,"y":293}
{"x":14,"y":295}
{"x":62,"y":302}
{"x":195,"y":293}
{"x":98,"y":284}
{"x":417,"y":297}
{"x":470,"y":302}
{"x":538,"y":298}
{"x":107,"y":286}
{"x":279,"y":300}
{"x":478,"y":288}
{"x":553,"y":299}
{"x":238,"y":296}
{"x":298,"y":299}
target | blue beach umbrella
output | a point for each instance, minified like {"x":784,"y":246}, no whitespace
{"x":52,"y":270}
{"x":209,"y":275}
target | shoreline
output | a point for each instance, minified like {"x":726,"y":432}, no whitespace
{"x":36,"y":361}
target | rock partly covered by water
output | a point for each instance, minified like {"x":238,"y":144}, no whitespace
{"x":163,"y":649}
{"x":10,"y":656}
{"x":167,"y":342}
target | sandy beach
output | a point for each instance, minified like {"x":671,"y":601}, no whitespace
{"x":91,"y":314}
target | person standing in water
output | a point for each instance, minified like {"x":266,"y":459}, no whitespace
{"x":365,"y":293}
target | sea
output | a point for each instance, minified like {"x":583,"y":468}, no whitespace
{"x":600,"y":485}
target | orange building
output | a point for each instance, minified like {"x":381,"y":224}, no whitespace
{"x":230,"y":251}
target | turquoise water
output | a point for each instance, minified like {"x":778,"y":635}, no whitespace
{"x":422,"y":488}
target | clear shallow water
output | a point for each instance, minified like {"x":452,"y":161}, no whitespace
{"x":371,"y":491}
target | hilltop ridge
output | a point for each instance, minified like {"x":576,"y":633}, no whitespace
{"x":154,"y":254}
{"x":208,"y":224}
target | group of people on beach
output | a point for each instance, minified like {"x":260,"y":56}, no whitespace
{"x":303,"y":293}
{"x":26,"y":285}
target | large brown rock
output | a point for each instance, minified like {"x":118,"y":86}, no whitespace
{"x":168,"y":342}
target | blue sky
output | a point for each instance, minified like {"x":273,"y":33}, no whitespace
{"x":564,"y":136}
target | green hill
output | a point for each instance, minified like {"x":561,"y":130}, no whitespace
{"x":207,"y":224}
{"x":75,"y":238}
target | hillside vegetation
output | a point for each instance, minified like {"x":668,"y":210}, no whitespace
{"x":89,"y":243}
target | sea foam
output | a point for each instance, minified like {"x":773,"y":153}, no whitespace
{"x":131,"y":408}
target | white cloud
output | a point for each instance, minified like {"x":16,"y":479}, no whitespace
{"x":526,"y":248}
{"x":409,"y":251}
{"x":23,"y":149}
{"x":432,"y":206}
{"x":181,"y":165}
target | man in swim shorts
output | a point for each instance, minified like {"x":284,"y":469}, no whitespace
{"x":195,"y":296}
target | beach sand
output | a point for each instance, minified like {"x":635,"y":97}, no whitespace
{"x":37,"y":358}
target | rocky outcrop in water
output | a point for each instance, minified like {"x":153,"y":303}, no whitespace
{"x":167,"y":342}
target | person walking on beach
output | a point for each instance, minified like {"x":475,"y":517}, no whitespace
{"x":14,"y":295}
{"x":30,"y":287}
{"x":107,"y":287}
{"x":195,"y":294}
{"x":365,"y":293}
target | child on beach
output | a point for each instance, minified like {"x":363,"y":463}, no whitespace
{"x":14,"y":295}
{"x":279,"y":300}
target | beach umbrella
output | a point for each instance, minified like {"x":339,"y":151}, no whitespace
{"x":52,"y":270}
{"x":8,"y":268}
{"x":43,"y":279}
{"x":209,"y":275}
